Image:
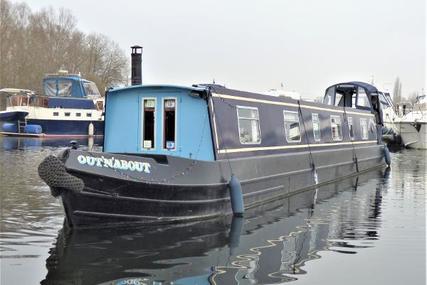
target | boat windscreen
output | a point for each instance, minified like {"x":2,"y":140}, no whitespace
{"x":56,"y":87}
{"x":90,"y":89}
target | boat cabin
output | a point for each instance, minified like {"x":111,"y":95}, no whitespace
{"x":71,"y":85}
{"x":5,"y":93}
{"x":60,"y":91}
{"x":158,"y":120}
{"x":209,"y":122}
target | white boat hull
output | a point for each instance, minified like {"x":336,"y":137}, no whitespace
{"x":411,"y":137}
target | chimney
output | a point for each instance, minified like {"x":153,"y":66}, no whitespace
{"x":136,"y":74}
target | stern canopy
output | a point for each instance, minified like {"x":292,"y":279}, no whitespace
{"x":69,"y":86}
{"x":355,"y":94}
{"x":158,"y":120}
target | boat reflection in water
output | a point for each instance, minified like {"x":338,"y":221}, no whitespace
{"x":22,"y":143}
{"x":270,"y":245}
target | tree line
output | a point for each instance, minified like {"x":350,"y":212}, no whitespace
{"x":34,"y":43}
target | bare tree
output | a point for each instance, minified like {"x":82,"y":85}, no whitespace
{"x":397,"y":91}
{"x":35,"y":43}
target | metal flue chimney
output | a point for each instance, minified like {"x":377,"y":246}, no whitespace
{"x":136,"y":74}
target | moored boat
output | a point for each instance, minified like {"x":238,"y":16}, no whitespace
{"x":70,"y":106}
{"x":184,"y":153}
{"x":412,"y":126}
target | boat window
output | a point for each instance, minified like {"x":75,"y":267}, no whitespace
{"x":59,"y":87}
{"x":169,"y":119}
{"x":316,"y":126}
{"x":67,"y":114}
{"x":364,"y":128}
{"x":336,"y":128}
{"x":64,"y":88}
{"x":339,"y":99}
{"x":329,"y":96}
{"x":292,"y":126}
{"x":351,"y":128}
{"x":99,"y":105}
{"x":88,"y":114}
{"x":148,"y":127}
{"x":362,"y":98}
{"x":90,"y":89}
{"x":248,"y":123}
{"x":38,"y":101}
{"x":24,"y":101}
{"x":78,"y":114}
{"x":50,"y":87}
{"x":56,"y":113}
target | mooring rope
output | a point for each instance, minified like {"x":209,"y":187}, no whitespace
{"x":312,"y":164}
{"x":351,"y":139}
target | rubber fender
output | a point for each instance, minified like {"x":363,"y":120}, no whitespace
{"x":33,"y":129}
{"x":236,"y":196}
{"x":54,"y":174}
{"x":10,"y":128}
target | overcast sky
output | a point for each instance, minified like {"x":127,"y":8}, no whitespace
{"x":256,"y":45}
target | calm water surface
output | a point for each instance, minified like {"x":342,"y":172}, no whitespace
{"x":370,"y":229}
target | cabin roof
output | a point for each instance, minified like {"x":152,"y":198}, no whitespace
{"x":196,"y":88}
{"x":67,"y":77}
{"x":159,"y":86}
{"x":368,"y":87}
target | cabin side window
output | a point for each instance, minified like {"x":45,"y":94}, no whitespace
{"x":292,"y":126}
{"x":148,"y":123}
{"x":169,"y":124}
{"x":248,"y":123}
{"x":316,"y":126}
{"x":364,"y":128}
{"x":351,"y":128}
{"x":362,"y":98}
{"x":336,"y":128}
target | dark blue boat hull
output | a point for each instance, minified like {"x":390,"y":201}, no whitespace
{"x":61,"y":128}
{"x":121,"y":197}
{"x":54,"y":127}
{"x":13,"y":116}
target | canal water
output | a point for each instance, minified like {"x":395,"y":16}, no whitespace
{"x":369,"y":229}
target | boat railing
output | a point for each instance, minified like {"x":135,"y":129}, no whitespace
{"x":27,"y":100}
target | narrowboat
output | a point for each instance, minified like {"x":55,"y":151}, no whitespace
{"x":70,"y":106}
{"x":173,"y":154}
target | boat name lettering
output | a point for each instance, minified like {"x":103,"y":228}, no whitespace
{"x":114,"y":163}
